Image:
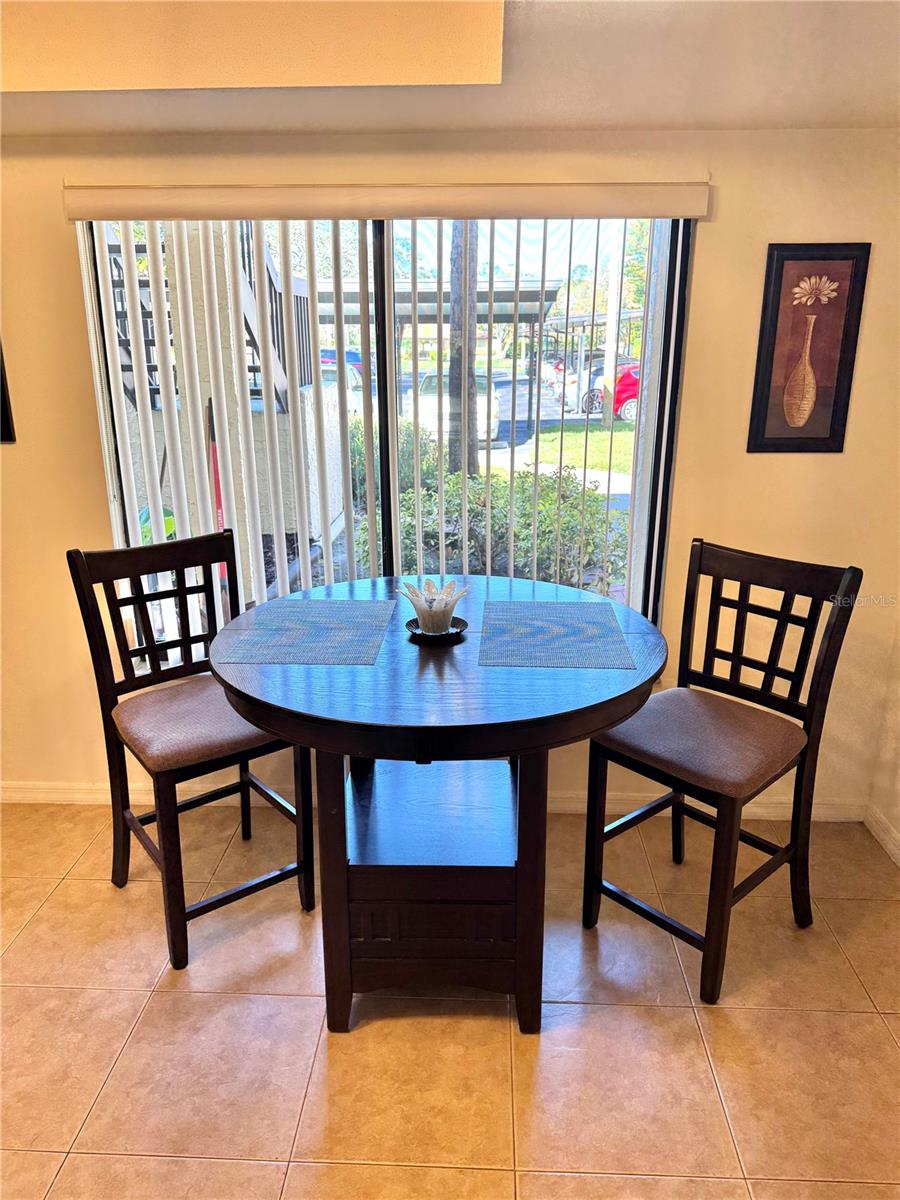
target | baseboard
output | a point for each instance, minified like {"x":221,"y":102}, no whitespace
{"x":884,"y":833}
{"x":776,"y":808}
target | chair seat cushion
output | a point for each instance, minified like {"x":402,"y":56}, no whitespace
{"x":183,"y":724}
{"x":709,"y":741}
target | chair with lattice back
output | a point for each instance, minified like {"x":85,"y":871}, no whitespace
{"x":701,"y":740}
{"x":164,"y":604}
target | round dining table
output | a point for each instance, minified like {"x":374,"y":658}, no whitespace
{"x":432,"y":846}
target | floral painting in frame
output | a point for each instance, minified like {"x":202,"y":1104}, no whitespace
{"x":812,"y":301}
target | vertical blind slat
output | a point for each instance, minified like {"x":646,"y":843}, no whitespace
{"x":267,"y":370}
{"x":165,"y":367}
{"x":562,"y":402}
{"x":296,"y":407}
{"x":141,"y":382}
{"x":537,"y":407}
{"x":365,"y":347}
{"x":611,"y":354}
{"x":587,"y":409}
{"x":114,"y":364}
{"x":490,"y":397}
{"x":442,"y":536}
{"x":511,"y":535}
{"x":392,"y":398}
{"x":319,"y":404}
{"x":464,"y":403}
{"x":343,"y":419}
{"x":417,"y":460}
{"x":236,"y":276}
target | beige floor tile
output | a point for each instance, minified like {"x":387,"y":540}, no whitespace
{"x":98,"y":1176}
{"x":795,"y":1189}
{"x":20,"y":898}
{"x":625,"y":862}
{"x":623,"y":961}
{"x":273,"y":845}
{"x":809,"y":1095}
{"x":609,"y":1089}
{"x":46,"y":839}
{"x":26,"y":1175}
{"x":205,"y":834}
{"x":58,"y":1047}
{"x":869,"y":931}
{"x":892,"y":1020}
{"x":415,"y":1081}
{"x":771,"y":963}
{"x":693,"y":874}
{"x":263,"y":943}
{"x":210,"y":1076}
{"x":533,"y":1186}
{"x":350,"y":1181}
{"x":846,"y":863}
{"x":92,"y":934}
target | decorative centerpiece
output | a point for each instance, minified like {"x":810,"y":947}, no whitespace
{"x":434,"y":621}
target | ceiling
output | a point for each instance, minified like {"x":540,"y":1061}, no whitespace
{"x":567,"y":64}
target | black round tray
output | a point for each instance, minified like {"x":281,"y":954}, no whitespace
{"x":454,"y":634}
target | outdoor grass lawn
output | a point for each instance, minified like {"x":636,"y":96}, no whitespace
{"x":598,"y":446}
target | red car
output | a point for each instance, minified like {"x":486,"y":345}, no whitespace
{"x":625,"y":397}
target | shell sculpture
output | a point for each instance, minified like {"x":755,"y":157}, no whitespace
{"x":434,"y":609}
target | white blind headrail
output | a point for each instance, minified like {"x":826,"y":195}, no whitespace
{"x":113,"y":202}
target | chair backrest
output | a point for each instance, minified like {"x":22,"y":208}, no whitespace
{"x":807,"y":596}
{"x":173,"y":592}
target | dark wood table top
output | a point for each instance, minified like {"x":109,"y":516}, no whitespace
{"x":425,"y":703}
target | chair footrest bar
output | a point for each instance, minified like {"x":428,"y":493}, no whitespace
{"x":649,"y":913}
{"x":279,"y":802}
{"x":227,"y":789}
{"x":623,"y":824}
{"x":748,"y":838}
{"x":211,"y":903}
{"x":134,"y":823}
{"x":755,"y":878}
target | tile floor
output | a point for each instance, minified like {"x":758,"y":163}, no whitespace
{"x":125,"y":1080}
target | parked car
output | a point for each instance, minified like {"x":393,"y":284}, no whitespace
{"x":428,"y":397}
{"x":354,"y":384}
{"x":625,"y":397}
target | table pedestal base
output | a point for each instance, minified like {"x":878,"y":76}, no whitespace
{"x":433,"y":874}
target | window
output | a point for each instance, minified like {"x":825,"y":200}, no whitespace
{"x":518,"y":428}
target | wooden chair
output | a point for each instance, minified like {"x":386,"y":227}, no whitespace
{"x":714,"y":749}
{"x":180,"y":726}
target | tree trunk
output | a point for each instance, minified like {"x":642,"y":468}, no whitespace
{"x":460,"y":301}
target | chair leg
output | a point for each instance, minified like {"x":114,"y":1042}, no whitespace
{"x":172,"y":874}
{"x":304,"y":827}
{"x":593,"y":838}
{"x":118,"y":790}
{"x":721,"y":889}
{"x":678,"y":828}
{"x":800,"y":822}
{"x":246,"y":828}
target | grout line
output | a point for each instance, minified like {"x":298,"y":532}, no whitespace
{"x":52,"y":1182}
{"x":718,"y":1087}
{"x":312,"y":1064}
{"x":19,"y":932}
{"x":128,"y":1037}
{"x":827,"y":923}
{"x":512,"y":1099}
{"x":706,"y":1051}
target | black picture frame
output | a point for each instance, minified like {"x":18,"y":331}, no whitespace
{"x":7,"y":428}
{"x":766,"y":433}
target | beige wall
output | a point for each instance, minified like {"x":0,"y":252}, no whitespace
{"x":768,"y":186}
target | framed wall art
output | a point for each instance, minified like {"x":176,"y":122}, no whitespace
{"x":812,"y":301}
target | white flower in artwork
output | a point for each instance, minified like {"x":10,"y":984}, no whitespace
{"x":815,"y":287}
{"x":434,"y":609}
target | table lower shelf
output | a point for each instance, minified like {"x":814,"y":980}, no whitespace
{"x":431,"y":875}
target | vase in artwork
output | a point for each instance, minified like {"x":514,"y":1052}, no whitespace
{"x":800,"y":390}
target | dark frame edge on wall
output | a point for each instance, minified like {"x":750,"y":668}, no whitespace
{"x":778,"y":254}
{"x":7,"y":425}
{"x":674,"y":325}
